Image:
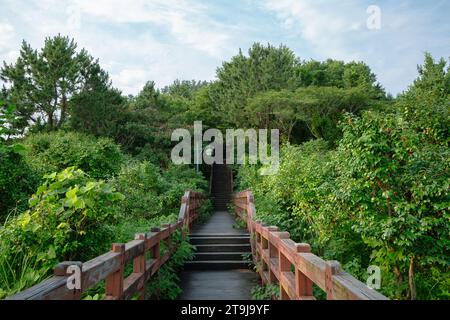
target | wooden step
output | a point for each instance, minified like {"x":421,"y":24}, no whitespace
{"x":226,"y":256}
{"x":220,"y":240}
{"x":223,"y":247}
{"x":216,"y":265}
{"x":223,"y":235}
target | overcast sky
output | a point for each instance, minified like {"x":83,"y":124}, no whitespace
{"x":163,"y":40}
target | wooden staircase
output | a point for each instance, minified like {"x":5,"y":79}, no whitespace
{"x":219,"y":250}
{"x":221,"y":189}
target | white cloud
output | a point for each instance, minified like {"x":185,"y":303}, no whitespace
{"x":187,"y":21}
{"x":162,"y":40}
{"x":7,"y":33}
{"x":136,"y":41}
{"x":338,"y":30}
{"x":8,"y":49}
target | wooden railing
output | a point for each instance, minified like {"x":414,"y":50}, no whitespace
{"x":110,"y":266}
{"x":292,"y":265}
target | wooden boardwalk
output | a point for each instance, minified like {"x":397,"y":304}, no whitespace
{"x":217,"y":284}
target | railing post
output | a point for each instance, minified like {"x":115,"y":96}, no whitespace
{"x":272,"y":253}
{"x":183,"y":231}
{"x":188,"y":214}
{"x":284,"y":265}
{"x":114,"y":282}
{"x":139,"y":265}
{"x":168,"y":241}
{"x":332,"y":268}
{"x":303,"y":285}
{"x":156,"y":253}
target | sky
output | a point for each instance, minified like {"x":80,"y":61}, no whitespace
{"x":162,"y":40}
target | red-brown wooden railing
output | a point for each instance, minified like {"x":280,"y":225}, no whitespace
{"x":110,"y":266}
{"x":280,"y":260}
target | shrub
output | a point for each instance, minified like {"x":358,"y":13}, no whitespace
{"x":265,"y":292}
{"x":17,"y":182}
{"x":17,"y":179}
{"x":55,"y":151}
{"x":151,"y":192}
{"x":394,"y":187}
{"x":141,"y":183}
{"x":380,"y":198}
{"x":166,"y":283}
{"x":64,"y":222}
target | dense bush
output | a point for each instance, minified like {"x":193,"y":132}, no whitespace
{"x":151,"y":192}
{"x":17,"y":179}
{"x":166,"y":283}
{"x":55,"y":151}
{"x":380,"y":198}
{"x":17,"y":182}
{"x":65,"y":222}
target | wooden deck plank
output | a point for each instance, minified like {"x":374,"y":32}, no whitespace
{"x":217,"y":285}
{"x":221,"y":222}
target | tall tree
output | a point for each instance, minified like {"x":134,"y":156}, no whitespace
{"x":42,"y":83}
{"x":265,"y":68}
{"x":98,"y":107}
{"x":335,"y":73}
{"x":184,"y":88}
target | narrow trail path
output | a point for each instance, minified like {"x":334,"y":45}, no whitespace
{"x":218,"y":271}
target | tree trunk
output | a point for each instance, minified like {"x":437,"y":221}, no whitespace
{"x":63,"y":111}
{"x":412,"y":283}
{"x":50,"y":123}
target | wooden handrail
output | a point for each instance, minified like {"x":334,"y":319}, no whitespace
{"x":292,"y":265}
{"x":110,"y":266}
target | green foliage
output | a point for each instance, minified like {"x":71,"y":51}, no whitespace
{"x":381,"y":197}
{"x":165,"y":284}
{"x":64,"y":223}
{"x":43,"y":82}
{"x":272,"y":88}
{"x":18,"y":271}
{"x":145,"y":127}
{"x":142,"y":185}
{"x":426,"y":104}
{"x":17,"y":182}
{"x":239,"y":224}
{"x":17,"y":179}
{"x":55,"y":151}
{"x":396,"y":185}
{"x":319,"y":109}
{"x":332,"y":73}
{"x":184,"y":88}
{"x":151,"y":192}
{"x":205,"y":211}
{"x":7,"y":121}
{"x":265,"y":292}
{"x":98,"y":110}
{"x":265,"y":68}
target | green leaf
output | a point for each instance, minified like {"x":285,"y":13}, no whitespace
{"x":72,"y":194}
{"x":19,"y":148}
{"x":51,"y":253}
{"x":79,"y":204}
{"x":62,"y":225}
